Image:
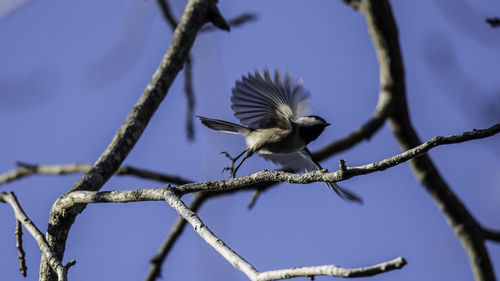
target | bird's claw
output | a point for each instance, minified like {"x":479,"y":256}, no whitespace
{"x":227,"y":155}
{"x":231,"y":168}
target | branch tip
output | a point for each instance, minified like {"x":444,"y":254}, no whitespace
{"x":215,"y":17}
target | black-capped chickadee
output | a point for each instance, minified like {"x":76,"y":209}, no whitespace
{"x":273,"y":111}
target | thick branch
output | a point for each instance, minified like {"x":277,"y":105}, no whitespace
{"x":44,"y":247}
{"x":384,"y":33}
{"x":197,"y":12}
{"x":241,"y":264}
{"x":26,"y":170}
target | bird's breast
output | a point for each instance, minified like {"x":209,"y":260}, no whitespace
{"x":274,"y":140}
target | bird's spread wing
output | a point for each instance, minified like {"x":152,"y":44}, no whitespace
{"x":301,"y":161}
{"x":261,"y":101}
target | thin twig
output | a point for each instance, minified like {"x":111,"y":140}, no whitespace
{"x":493,"y":22}
{"x":241,"y":264}
{"x":20,"y":252}
{"x":44,"y":247}
{"x":188,"y":89}
{"x":492,"y":235}
{"x":254,"y":198}
{"x":234,"y":22}
{"x":26,"y":170}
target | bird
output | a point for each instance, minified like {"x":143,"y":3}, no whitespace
{"x":272,"y":113}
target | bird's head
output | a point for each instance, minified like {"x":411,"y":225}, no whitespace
{"x":310,"y":127}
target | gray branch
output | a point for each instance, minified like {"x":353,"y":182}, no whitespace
{"x":332,"y":270}
{"x":241,"y":264}
{"x":197,"y":12}
{"x":173,"y":235}
{"x":20,"y":252}
{"x":26,"y":170}
{"x":44,"y":247}
{"x":242,"y":183}
{"x":384,"y":33}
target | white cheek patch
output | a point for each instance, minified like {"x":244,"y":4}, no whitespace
{"x":307,"y":120}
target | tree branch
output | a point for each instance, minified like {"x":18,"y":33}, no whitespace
{"x":197,"y":12}
{"x":175,"y":232}
{"x":44,"y":247}
{"x":241,"y":264}
{"x":245,"y":182}
{"x":492,"y":235}
{"x":234,"y":22}
{"x":20,"y":252}
{"x":26,"y":170}
{"x":384,"y":34}
{"x":493,"y":22}
{"x":332,"y":270}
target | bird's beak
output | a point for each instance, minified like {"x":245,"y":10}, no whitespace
{"x":327,"y":124}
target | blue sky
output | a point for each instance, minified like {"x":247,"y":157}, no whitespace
{"x":71,"y":71}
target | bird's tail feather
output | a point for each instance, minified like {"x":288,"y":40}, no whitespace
{"x":223,"y":126}
{"x":345,"y":194}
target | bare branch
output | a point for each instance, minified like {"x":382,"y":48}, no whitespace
{"x":167,"y":14}
{"x":493,"y":22}
{"x":20,"y":252}
{"x":254,"y":198}
{"x":331,"y":270}
{"x":44,"y":247}
{"x":234,"y":22}
{"x":232,"y":257}
{"x":492,"y":235}
{"x":197,"y":12}
{"x":384,"y":33}
{"x":26,"y":170}
{"x":176,"y":230}
{"x":241,"y":264}
{"x":188,"y":89}
{"x":246,"y":182}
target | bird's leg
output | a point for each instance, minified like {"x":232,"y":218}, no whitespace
{"x":239,"y":165}
{"x":233,"y":160}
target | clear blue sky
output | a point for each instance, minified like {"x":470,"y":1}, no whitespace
{"x":71,"y":71}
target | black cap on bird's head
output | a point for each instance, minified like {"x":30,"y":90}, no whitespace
{"x":310,"y":127}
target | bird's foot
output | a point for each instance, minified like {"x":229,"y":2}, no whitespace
{"x":231,"y":168}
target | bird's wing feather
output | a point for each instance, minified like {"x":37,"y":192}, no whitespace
{"x":261,"y":101}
